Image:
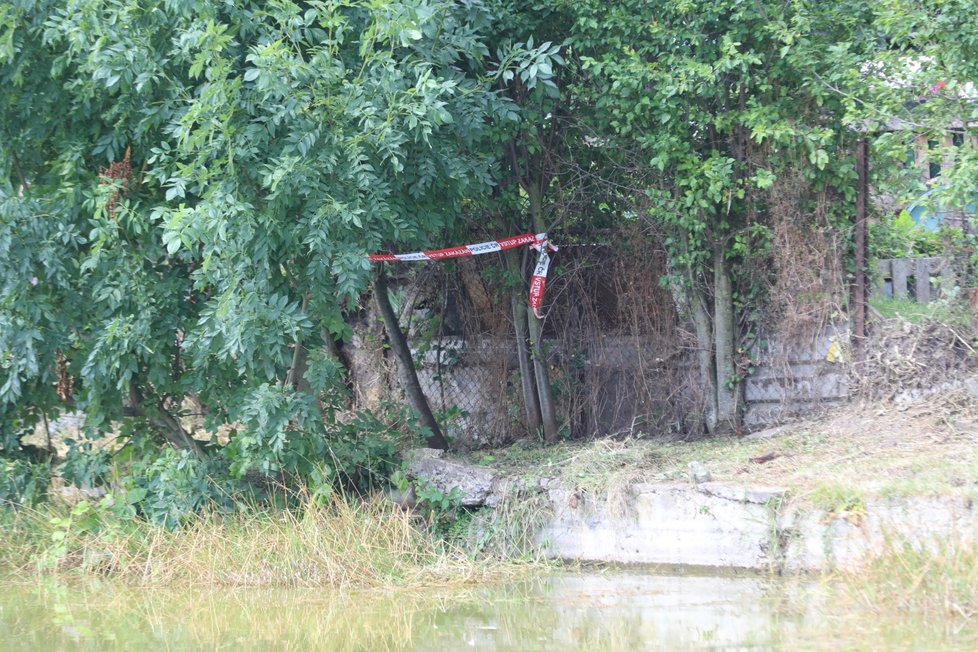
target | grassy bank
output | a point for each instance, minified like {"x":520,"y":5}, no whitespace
{"x":856,"y":451}
{"x":346,"y":543}
{"x":905,"y":599}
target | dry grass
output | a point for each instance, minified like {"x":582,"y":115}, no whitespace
{"x":913,"y":354}
{"x":346,"y":544}
{"x":938,"y":584}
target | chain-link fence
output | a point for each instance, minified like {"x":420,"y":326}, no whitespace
{"x":619,"y":356}
{"x":613,"y":351}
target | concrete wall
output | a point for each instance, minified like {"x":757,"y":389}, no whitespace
{"x":732,"y":526}
{"x":710,"y":524}
{"x":792,"y":380}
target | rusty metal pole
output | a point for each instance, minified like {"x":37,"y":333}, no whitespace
{"x":859,"y":283}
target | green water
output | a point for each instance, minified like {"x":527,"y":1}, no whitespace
{"x":601,"y":610}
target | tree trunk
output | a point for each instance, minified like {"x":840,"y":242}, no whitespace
{"x":405,"y":363}
{"x":704,"y":356}
{"x":296,"y":376}
{"x":551,"y":432}
{"x":167,"y":424}
{"x":727,"y":384}
{"x":337,"y":353}
{"x":174,"y":431}
{"x":534,"y":422}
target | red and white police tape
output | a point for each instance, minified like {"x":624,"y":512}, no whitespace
{"x":540,"y":242}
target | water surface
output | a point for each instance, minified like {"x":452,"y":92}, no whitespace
{"x":594,"y":610}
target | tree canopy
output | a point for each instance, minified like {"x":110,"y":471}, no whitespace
{"x":188,"y":189}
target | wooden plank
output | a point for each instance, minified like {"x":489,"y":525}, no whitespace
{"x":901,"y":272}
{"x":922,"y":280}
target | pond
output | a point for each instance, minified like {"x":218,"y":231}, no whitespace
{"x":580,"y":610}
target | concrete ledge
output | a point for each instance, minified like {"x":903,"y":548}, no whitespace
{"x":711,"y":524}
{"x":662,"y":524}
{"x":722,"y":525}
{"x":743,"y":494}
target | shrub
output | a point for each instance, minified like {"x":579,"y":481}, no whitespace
{"x":23,"y":483}
{"x":901,"y":237}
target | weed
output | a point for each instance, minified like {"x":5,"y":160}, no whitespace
{"x":23,"y":482}
{"x":511,"y":528}
{"x":837,"y":500}
{"x":339,"y":542}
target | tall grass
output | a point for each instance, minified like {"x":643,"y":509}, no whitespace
{"x":346,"y":543}
{"x":911,"y":594}
{"x":938,"y":581}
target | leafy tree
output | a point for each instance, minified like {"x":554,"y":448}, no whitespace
{"x":527,"y":178}
{"x":718,"y":98}
{"x":188,"y":188}
{"x":912,"y":86}
{"x":187,"y":192}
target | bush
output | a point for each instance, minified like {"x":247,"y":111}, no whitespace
{"x":23,"y":483}
{"x":901,"y":237}
{"x":167,"y":487}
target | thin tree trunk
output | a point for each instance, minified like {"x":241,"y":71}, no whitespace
{"x":405,"y":363}
{"x":174,"y":431}
{"x":168,"y":425}
{"x":341,"y":357}
{"x":527,"y":383}
{"x":551,"y":432}
{"x":704,"y":356}
{"x":727,"y":384}
{"x":296,"y":376}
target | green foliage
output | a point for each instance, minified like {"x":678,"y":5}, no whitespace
{"x":188,"y":188}
{"x":86,"y":465}
{"x":22,"y":483}
{"x":187,"y":191}
{"x":435,"y":499}
{"x":362,"y":454}
{"x":442,"y":510}
{"x":839,"y":501}
{"x":721,"y":98}
{"x":949,"y":309}
{"x":67,"y":531}
{"x":901,"y":237}
{"x":167,"y":488}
